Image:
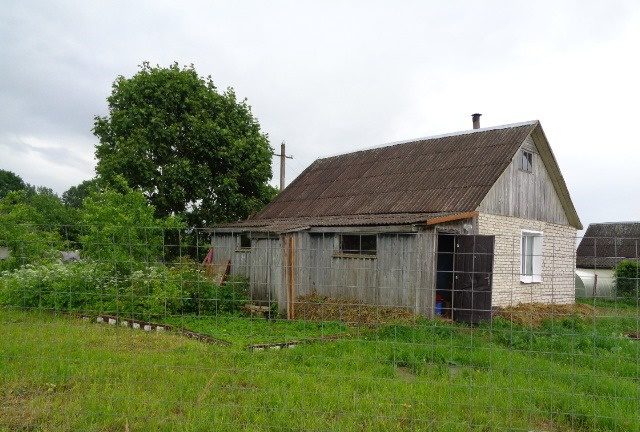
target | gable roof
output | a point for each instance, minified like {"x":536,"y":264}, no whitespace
{"x":447,"y":174}
{"x":606,"y":244}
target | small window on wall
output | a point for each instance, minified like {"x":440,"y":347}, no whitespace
{"x":531,"y":257}
{"x":526,"y":161}
{"x":245,"y":241}
{"x":358,"y":244}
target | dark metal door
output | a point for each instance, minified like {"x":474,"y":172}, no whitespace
{"x":473,"y":271}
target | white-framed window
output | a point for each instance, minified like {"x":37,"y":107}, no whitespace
{"x":531,"y":256}
{"x":526,"y":162}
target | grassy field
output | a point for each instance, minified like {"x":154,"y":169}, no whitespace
{"x":58,"y":373}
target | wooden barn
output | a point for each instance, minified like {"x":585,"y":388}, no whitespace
{"x":455,"y":224}
{"x":601,"y":248}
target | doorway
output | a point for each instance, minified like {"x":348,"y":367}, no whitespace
{"x":464,"y":277}
{"x":444,"y":275}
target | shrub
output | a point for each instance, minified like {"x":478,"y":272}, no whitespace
{"x":25,"y":228}
{"x":120,"y":228}
{"x":202,"y":296}
{"x":152,"y":292}
{"x":74,"y":286}
{"x":627,"y":278}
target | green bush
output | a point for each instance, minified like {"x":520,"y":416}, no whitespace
{"x":204,"y":297}
{"x":152,"y":292}
{"x":627,"y":278}
{"x":119,"y":227}
{"x":74,"y":286}
{"x":26,"y":229}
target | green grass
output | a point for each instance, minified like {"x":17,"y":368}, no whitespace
{"x":242,"y":331}
{"x":60,"y":373}
{"x":629,"y":304}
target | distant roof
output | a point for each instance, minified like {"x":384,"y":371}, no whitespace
{"x":449,"y":173}
{"x":606,"y":244}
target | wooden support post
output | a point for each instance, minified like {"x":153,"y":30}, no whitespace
{"x":291,"y":291}
{"x":595,"y":285}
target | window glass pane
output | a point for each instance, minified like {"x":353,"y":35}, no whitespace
{"x":527,"y":161}
{"x":527,"y":255}
{"x":529,"y":268}
{"x":350,"y":244}
{"x":523,"y":256}
{"x":245,"y":241}
{"x":368,"y":244}
{"x":358,"y":244}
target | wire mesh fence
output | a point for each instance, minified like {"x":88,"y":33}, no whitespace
{"x":144,"y":328}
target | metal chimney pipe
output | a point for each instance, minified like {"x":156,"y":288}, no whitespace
{"x":476,"y":120}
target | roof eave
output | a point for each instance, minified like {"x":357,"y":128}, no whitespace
{"x":551,"y":163}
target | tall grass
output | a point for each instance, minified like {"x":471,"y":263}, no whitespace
{"x":570,"y":374}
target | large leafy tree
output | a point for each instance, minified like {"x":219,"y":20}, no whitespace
{"x":10,"y":181}
{"x":75,"y":195}
{"x":190,"y":149}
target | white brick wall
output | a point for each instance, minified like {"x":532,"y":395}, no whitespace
{"x":558,"y":261}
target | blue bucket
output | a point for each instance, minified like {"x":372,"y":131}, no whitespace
{"x":438,"y":308}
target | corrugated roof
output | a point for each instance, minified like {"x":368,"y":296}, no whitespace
{"x":296,"y":224}
{"x":446,"y":173}
{"x":606,"y":244}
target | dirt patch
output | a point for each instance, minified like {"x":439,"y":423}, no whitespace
{"x":319,"y":308}
{"x":634,"y":335}
{"x":533,"y":314}
{"x":405,"y":373}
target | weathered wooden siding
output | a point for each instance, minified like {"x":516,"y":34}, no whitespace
{"x":262,"y":264}
{"x":525,"y":195}
{"x":399,"y":275}
{"x":227,"y":247}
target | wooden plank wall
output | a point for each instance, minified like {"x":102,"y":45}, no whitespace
{"x":402,"y":274}
{"x":262,"y":264}
{"x":525,"y":195}
{"x":227,"y":247}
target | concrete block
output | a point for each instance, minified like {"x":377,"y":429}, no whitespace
{"x":112,"y":321}
{"x":136,"y":325}
{"x":147,"y":327}
{"x":99,"y":319}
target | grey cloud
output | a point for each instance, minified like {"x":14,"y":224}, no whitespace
{"x":330,"y":77}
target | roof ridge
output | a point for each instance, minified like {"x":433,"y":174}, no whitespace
{"x":438,"y":136}
{"x":614,"y":223}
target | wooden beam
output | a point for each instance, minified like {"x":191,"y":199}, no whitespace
{"x":451,"y":218}
{"x":291,"y":286}
{"x":392,"y":229}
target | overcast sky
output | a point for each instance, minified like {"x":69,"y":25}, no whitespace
{"x":331,"y":77}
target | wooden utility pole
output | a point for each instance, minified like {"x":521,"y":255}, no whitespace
{"x":283,"y":155}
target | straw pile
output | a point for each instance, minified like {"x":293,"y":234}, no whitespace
{"x":314,"y":307}
{"x":533,"y":314}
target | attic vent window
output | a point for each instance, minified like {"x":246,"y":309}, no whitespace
{"x":527,"y":161}
{"x":358,"y":244}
